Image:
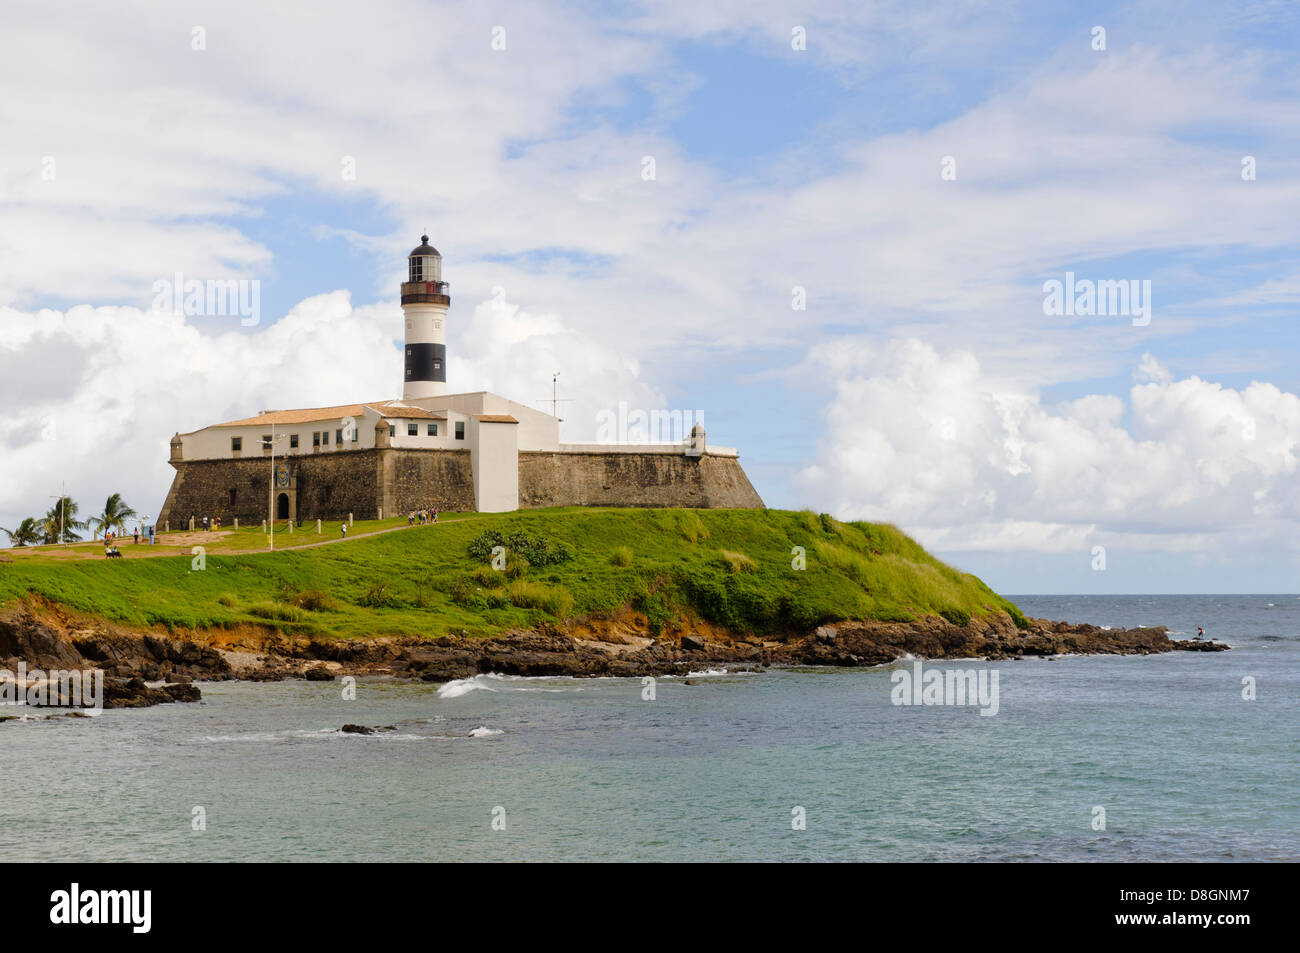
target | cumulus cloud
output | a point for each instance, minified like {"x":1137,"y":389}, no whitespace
{"x":103,"y":389}
{"x":925,"y":437}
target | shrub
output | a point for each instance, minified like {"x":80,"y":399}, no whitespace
{"x":537,"y":550}
{"x":462,"y":589}
{"x":380,"y":596}
{"x":621,"y":556}
{"x":516,"y":566}
{"x":314,"y":600}
{"x":554,"y":600}
{"x":489,"y":577}
{"x":736,"y":562}
{"x":227,"y":600}
{"x":956,"y":616}
{"x":275,"y":612}
{"x":656,"y":610}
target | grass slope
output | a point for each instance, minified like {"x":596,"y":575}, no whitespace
{"x":731,"y":567}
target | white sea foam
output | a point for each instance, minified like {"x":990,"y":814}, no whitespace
{"x":462,"y":686}
{"x":483,"y":731}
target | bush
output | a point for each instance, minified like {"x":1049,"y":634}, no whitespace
{"x":555,"y":600}
{"x":537,"y":550}
{"x":621,"y":556}
{"x":656,"y":610}
{"x":462,"y":590}
{"x":227,"y":600}
{"x":489,"y":577}
{"x":275,"y":612}
{"x":314,"y":600}
{"x":956,"y":616}
{"x":380,"y":596}
{"x":736,"y":562}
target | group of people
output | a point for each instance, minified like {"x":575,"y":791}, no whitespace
{"x":421,"y":517}
{"x":214,"y":523}
{"x":111,"y":537}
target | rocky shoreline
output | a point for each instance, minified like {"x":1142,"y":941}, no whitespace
{"x":43,"y":636}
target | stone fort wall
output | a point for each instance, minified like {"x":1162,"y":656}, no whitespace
{"x":633,"y":479}
{"x":395,"y":481}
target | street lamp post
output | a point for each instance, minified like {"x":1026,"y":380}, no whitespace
{"x":271,"y":501}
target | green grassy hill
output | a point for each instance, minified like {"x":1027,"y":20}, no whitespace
{"x":730,"y":567}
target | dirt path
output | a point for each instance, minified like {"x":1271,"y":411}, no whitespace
{"x":183,"y":540}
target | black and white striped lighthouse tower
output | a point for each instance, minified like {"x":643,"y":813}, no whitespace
{"x":424,"y":303}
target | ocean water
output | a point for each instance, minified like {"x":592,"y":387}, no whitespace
{"x":511,"y":769}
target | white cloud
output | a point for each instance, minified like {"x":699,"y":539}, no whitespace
{"x":102,"y":389}
{"x":928,"y":439}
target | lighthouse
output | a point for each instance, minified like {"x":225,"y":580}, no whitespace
{"x":424,"y":304}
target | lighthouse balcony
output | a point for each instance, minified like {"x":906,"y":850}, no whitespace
{"x":426,"y":292}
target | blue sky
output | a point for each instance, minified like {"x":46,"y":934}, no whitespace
{"x":923,"y":384}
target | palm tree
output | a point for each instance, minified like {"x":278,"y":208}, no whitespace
{"x":60,"y":523}
{"x":114,"y":517}
{"x":28,"y":532}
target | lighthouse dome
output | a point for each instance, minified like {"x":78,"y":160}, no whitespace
{"x":425,"y":249}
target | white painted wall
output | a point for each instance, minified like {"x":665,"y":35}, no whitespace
{"x":495,"y":463}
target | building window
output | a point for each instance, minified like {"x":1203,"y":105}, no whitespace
{"x":460,"y":430}
{"x":293,"y":441}
{"x":236,"y":444}
{"x":325,"y":437}
{"x":433,"y":430}
{"x":392,"y":430}
{"x":315,"y":438}
{"x":413,"y":430}
{"x":356,"y":434}
{"x":437,"y":365}
{"x":232,"y":496}
{"x":338,"y":436}
{"x":266,"y":442}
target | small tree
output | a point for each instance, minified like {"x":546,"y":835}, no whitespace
{"x":28,"y":533}
{"x":114,"y":517}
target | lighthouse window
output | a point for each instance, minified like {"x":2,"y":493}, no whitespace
{"x":413,"y":430}
{"x":236,"y":444}
{"x":460,"y":430}
{"x":416,"y":271}
{"x":437,"y":365}
{"x":433,"y":430}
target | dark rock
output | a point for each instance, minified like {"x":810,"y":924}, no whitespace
{"x":357,"y":730}
{"x":691,"y":644}
{"x":318,"y":673}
